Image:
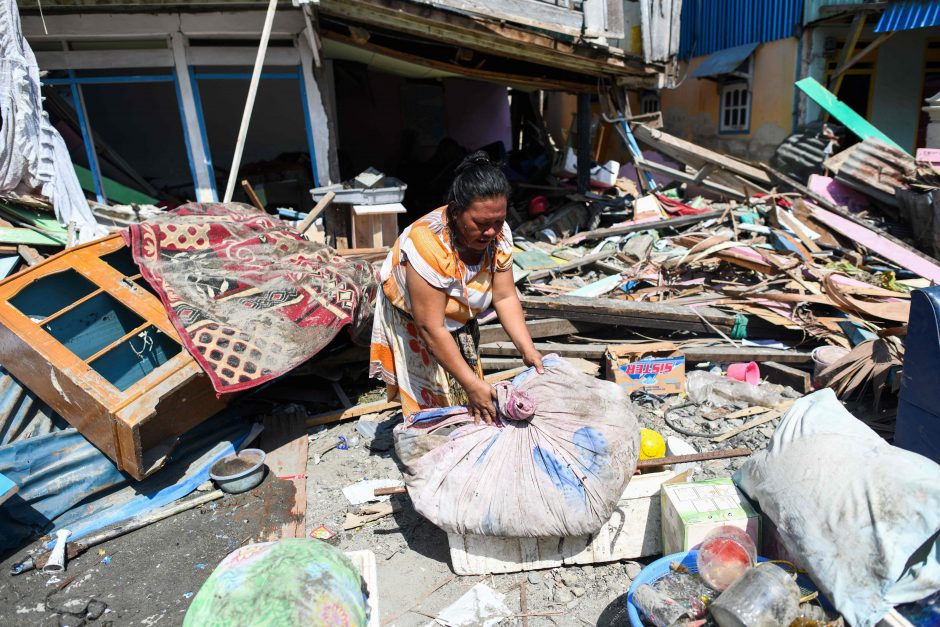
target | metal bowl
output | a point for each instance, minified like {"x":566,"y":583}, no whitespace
{"x":243,"y":479}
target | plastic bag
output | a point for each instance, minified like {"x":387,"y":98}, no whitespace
{"x":555,"y":464}
{"x":861,"y":516}
{"x":719,"y":390}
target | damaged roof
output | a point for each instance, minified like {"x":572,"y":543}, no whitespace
{"x":518,"y":41}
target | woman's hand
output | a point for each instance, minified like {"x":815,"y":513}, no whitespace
{"x":533,"y":358}
{"x":480,"y":403}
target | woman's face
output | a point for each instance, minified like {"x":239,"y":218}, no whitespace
{"x":481,"y":222}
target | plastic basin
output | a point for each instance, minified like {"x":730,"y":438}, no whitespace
{"x":662,"y":567}
{"x":239,"y":472}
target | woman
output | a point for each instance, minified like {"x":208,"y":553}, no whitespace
{"x":441,"y":273}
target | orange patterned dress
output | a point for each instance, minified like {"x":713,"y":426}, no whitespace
{"x":398,"y":356}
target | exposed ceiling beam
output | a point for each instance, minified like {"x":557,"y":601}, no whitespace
{"x":532,"y":82}
{"x":496,"y":38}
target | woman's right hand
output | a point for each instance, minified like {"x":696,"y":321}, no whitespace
{"x":480,"y":402}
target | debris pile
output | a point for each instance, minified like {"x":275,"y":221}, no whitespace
{"x":718,"y":303}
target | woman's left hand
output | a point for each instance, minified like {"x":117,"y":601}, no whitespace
{"x":533,"y":358}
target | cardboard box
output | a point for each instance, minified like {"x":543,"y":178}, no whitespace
{"x":657,"y":367}
{"x":691,"y":510}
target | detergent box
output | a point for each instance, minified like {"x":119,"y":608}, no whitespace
{"x":657,"y":367}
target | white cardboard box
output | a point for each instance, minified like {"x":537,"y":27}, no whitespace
{"x":633,"y":531}
{"x":691,"y":510}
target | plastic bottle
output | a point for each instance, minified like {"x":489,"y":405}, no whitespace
{"x":724,"y":555}
{"x":765,"y":596}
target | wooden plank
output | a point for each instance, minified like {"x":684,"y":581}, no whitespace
{"x":858,"y":24}
{"x":656,"y":138}
{"x":842,"y":112}
{"x":19,"y":235}
{"x":623,"y":229}
{"x":285,"y":441}
{"x":883,"y":37}
{"x":771,"y":415}
{"x":571,"y":265}
{"x":627,"y":313}
{"x":531,"y":13}
{"x":590,"y":368}
{"x":319,"y":208}
{"x":799,"y":380}
{"x":685,"y":177}
{"x":30,"y":255}
{"x":843,"y":213}
{"x":380,"y":406}
{"x":694,"y":354}
{"x":890,"y":250}
{"x":546,"y":327}
{"x":252,"y":196}
{"x":352,"y":412}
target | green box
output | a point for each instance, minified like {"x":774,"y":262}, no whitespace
{"x":690,"y":511}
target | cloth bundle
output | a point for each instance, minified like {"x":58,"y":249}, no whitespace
{"x":555,"y":463}
{"x":860,"y":516}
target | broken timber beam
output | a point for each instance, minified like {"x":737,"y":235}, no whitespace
{"x":693,"y":155}
{"x":699,"y":178}
{"x":628,"y":313}
{"x":694,"y":354}
{"x":843,"y":212}
{"x":547,"y":327}
{"x":623,"y":229}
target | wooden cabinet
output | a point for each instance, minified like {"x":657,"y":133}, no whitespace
{"x":86,"y":333}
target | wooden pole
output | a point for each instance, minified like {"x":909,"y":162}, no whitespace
{"x":252,"y":196}
{"x":250,"y":103}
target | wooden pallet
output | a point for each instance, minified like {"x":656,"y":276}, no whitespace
{"x":633,"y":531}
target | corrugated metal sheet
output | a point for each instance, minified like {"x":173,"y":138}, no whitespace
{"x":876,"y":169}
{"x":65,"y":480}
{"x":908,"y":15}
{"x":724,"y":61}
{"x":712,"y":25}
{"x":803,"y":152}
{"x":812,"y":9}
{"x":22,"y":414}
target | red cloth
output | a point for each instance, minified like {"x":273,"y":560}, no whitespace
{"x":250,"y":298}
{"x":678,"y":208}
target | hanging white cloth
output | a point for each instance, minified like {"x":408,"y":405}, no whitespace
{"x":33,"y":156}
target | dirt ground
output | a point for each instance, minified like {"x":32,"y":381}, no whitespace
{"x":149,"y":576}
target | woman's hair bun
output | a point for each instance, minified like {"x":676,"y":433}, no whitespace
{"x":474,"y":160}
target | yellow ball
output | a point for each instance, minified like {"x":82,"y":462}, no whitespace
{"x":652,"y":444}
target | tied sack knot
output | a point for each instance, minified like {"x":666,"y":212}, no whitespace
{"x":513,"y":403}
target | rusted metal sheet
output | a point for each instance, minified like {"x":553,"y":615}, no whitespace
{"x":874,"y":168}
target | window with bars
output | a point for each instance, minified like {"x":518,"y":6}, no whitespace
{"x":734,"y":112}
{"x":649,"y":102}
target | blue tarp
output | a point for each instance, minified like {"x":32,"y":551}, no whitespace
{"x":724,"y":61}
{"x":65,"y":482}
{"x":908,"y":15}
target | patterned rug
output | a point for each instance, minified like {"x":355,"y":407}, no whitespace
{"x":250,"y":298}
